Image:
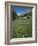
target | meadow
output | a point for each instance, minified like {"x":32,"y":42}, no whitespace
{"x":21,"y":26}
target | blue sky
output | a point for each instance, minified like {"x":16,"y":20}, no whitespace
{"x":21,"y":10}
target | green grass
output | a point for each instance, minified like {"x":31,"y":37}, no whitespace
{"x":21,"y":27}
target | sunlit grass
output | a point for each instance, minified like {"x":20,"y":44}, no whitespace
{"x":21,"y":27}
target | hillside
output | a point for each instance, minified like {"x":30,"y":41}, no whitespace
{"x":21,"y":26}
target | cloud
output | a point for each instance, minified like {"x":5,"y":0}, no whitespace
{"x":23,"y":12}
{"x":29,"y":10}
{"x":18,"y":14}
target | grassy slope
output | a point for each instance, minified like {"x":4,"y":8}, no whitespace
{"x":21,"y":28}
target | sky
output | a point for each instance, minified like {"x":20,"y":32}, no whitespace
{"x":21,"y":10}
